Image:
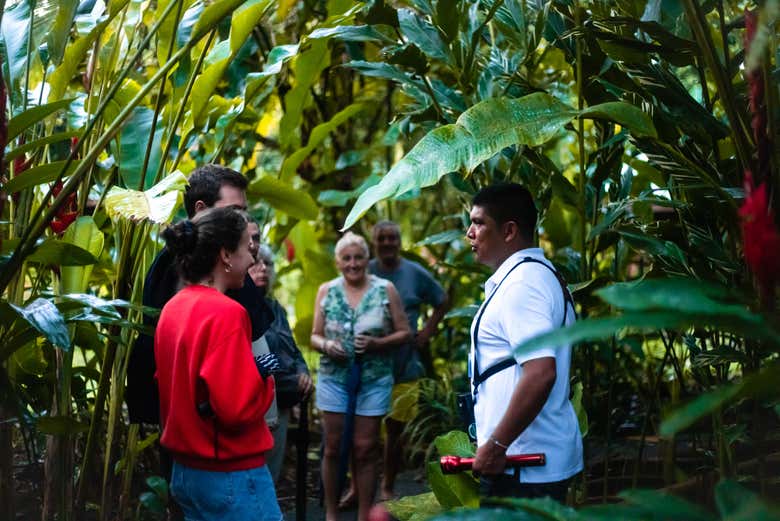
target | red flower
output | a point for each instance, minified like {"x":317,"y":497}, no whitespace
{"x":66,"y":214}
{"x":290,"y":249}
{"x":761,"y":240}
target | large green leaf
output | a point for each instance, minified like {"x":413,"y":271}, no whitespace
{"x":44,"y":317}
{"x":421,"y":33}
{"x":701,"y":406}
{"x":212,"y":15}
{"x":76,"y":52}
{"x":683,"y":294}
{"x":57,"y":252}
{"x":33,"y":115}
{"x":478,"y":134}
{"x":207,"y":82}
{"x":38,"y":143}
{"x":103,"y":306}
{"x":603,"y":328}
{"x":38,"y":175}
{"x":157,"y":204}
{"x":17,"y":33}
{"x":243,"y":21}
{"x":60,"y":31}
{"x":278,"y":56}
{"x":454,"y":443}
{"x":85,"y":234}
{"x":283,"y":197}
{"x":453,"y":490}
{"x":74,"y":55}
{"x":318,"y":135}
{"x":131,"y":150}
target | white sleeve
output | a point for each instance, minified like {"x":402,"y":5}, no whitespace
{"x":526,"y":311}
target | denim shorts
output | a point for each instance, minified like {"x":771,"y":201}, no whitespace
{"x":373,"y":397}
{"x":242,"y":495}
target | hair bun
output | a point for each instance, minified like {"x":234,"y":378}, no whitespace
{"x":181,"y":238}
{"x":189,"y":235}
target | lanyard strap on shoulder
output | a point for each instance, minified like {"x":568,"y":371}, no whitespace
{"x":475,"y":332}
{"x":499,"y":366}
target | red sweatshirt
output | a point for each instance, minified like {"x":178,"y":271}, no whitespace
{"x":202,"y":346}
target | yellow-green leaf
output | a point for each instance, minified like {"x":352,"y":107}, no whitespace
{"x":85,"y":234}
{"x":157,"y":204}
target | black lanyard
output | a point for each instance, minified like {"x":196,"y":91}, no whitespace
{"x":478,"y":378}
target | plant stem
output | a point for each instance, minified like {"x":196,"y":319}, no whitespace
{"x":182,"y":107}
{"x":581,"y":147}
{"x":158,"y":106}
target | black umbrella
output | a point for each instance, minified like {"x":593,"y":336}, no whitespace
{"x":353,"y":387}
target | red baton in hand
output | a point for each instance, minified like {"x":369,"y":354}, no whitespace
{"x":455,"y":464}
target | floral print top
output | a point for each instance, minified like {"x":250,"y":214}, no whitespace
{"x":342,"y":323}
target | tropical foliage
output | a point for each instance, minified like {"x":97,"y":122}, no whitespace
{"x":647,"y":130}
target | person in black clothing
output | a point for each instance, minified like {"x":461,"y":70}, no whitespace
{"x":210,"y":186}
{"x":293,"y":382}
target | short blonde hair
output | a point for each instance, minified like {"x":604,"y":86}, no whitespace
{"x":352,"y":239}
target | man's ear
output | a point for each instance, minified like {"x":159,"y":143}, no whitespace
{"x":511,"y":231}
{"x":199,"y":206}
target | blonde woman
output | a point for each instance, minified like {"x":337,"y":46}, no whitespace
{"x":358,"y":321}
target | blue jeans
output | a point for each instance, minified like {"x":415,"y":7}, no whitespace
{"x":243,"y":495}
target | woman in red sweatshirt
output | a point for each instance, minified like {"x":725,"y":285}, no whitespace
{"x":212,"y":396}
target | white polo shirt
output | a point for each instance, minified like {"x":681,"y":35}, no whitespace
{"x":527,"y":303}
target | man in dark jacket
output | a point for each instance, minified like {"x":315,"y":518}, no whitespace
{"x":210,"y":186}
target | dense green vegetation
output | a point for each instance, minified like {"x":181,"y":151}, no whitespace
{"x":646,"y":129}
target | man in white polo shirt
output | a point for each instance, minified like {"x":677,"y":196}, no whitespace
{"x":521,"y":400}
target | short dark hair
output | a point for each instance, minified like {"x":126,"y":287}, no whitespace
{"x":195,"y":244}
{"x":384,"y":224}
{"x":506,"y":202}
{"x":204,"y":184}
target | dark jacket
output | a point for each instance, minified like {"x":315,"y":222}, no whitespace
{"x":282,"y":344}
{"x":161,"y":284}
